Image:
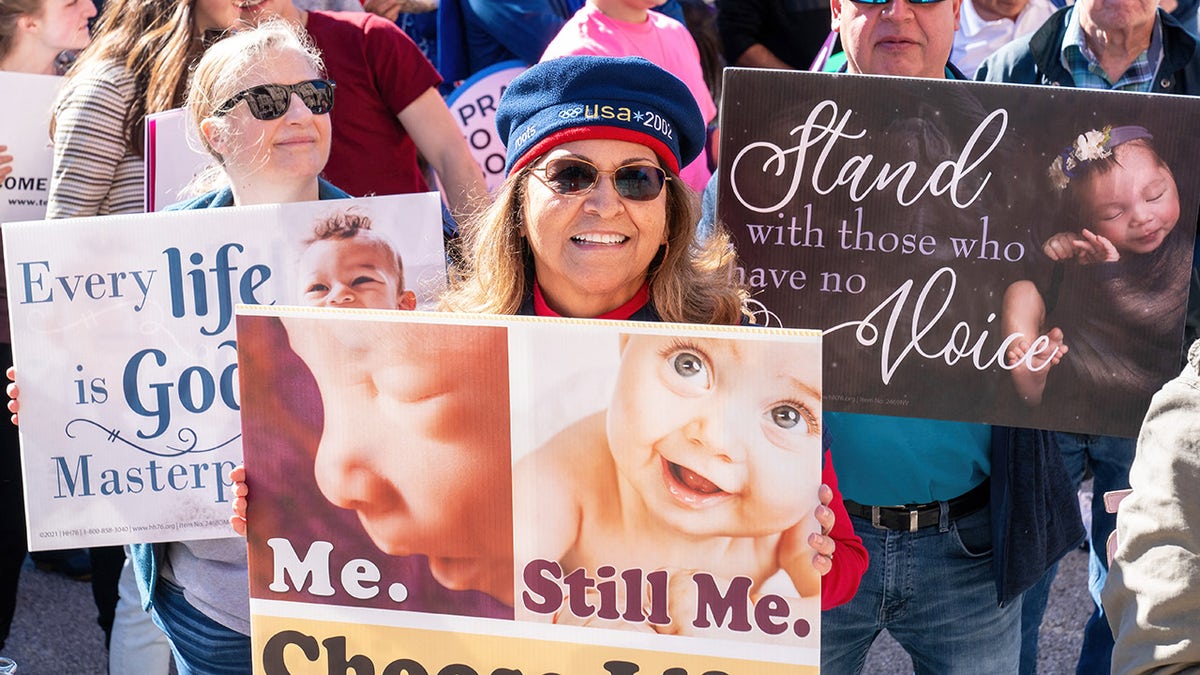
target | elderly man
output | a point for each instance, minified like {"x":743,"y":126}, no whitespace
{"x":932,"y":582}
{"x":1126,"y":45}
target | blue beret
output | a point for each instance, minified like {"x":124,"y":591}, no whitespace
{"x":580,"y":97}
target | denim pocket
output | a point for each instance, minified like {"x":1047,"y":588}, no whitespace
{"x":973,"y":534}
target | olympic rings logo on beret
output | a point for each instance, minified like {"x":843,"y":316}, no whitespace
{"x":570,"y":113}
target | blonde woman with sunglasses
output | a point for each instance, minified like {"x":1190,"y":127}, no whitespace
{"x":262,"y":106}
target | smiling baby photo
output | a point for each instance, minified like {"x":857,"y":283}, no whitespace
{"x":680,"y":496}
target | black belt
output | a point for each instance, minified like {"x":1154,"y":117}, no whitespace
{"x":912,"y":517}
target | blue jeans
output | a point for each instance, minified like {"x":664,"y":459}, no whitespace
{"x":201,"y":646}
{"x":1109,"y":458}
{"x":935,"y":593}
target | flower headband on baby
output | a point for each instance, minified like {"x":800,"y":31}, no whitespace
{"x":1089,"y":147}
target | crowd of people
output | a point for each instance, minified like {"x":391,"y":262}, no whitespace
{"x":599,"y":219}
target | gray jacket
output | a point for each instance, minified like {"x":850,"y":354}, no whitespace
{"x":1152,"y":595}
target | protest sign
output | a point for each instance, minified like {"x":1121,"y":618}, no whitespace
{"x":473,"y":105}
{"x":915,"y":221}
{"x":469,"y":490}
{"x":174,"y":157}
{"x":124,"y":345}
{"x":23,"y":193}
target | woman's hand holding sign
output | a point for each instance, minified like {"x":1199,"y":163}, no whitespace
{"x":237,"y":521}
{"x":13,"y":392}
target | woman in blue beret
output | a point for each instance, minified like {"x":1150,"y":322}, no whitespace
{"x":593,"y":222}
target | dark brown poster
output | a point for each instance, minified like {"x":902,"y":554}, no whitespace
{"x":978,"y":252}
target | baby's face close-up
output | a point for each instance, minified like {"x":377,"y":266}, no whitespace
{"x":1136,"y":204}
{"x":716,"y":435}
{"x":415,"y":435}
{"x":354,"y":272}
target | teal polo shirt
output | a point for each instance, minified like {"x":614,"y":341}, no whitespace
{"x":889,"y":461}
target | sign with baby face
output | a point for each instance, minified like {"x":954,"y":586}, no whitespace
{"x":976,"y":252}
{"x":529,"y":495}
{"x":124,"y":344}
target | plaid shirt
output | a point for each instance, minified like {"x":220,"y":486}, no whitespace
{"x":1085,"y":68}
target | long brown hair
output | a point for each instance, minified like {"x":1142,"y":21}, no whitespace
{"x":155,"y":40}
{"x":690,"y":281}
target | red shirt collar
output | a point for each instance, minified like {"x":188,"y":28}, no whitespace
{"x":638,"y":301}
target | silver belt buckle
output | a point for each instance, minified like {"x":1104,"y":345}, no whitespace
{"x":912,"y":520}
{"x":875,"y":518}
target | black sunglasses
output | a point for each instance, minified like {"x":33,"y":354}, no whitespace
{"x":570,"y":176}
{"x":271,"y":101}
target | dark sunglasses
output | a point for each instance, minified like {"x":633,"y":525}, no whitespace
{"x":570,"y":176}
{"x":271,"y":101}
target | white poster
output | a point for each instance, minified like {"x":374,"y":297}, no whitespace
{"x":470,"y":494}
{"x":25,"y":126}
{"x":125,"y":348}
{"x":174,"y":156}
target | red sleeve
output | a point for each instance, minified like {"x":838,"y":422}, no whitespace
{"x":401,"y":71}
{"x":850,"y":556}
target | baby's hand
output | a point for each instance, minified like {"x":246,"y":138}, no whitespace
{"x":238,"y":520}
{"x":565,"y":617}
{"x":1095,"y":249}
{"x":13,"y":392}
{"x":683,"y":603}
{"x":1084,"y":248}
{"x":805,"y":555}
{"x":1060,"y":246}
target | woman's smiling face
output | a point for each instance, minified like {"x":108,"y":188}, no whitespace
{"x":294,"y":146}
{"x":593,"y":249}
